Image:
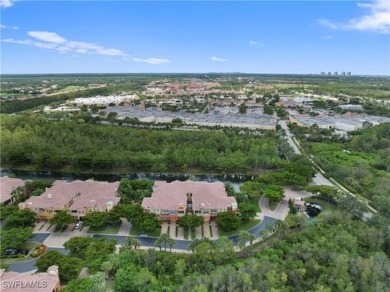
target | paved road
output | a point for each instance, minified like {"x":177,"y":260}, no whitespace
{"x":145,"y":241}
{"x":28,"y":266}
{"x":289,"y":137}
{"x":256,"y":230}
{"x":280,"y":212}
{"x":319,"y":179}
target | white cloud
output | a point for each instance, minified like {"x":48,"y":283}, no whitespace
{"x":6,"y":3}
{"x":50,"y":37}
{"x":153,"y":61}
{"x":328,"y":37}
{"x":216,"y":59}
{"x":377,"y":19}
{"x":2,"y":26}
{"x":20,"y":42}
{"x":256,"y":43}
{"x":328,"y":23}
{"x":53,"y":41}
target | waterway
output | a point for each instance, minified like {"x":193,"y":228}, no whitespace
{"x":235,"y":180}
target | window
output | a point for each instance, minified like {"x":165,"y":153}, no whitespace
{"x":74,"y":211}
{"x":181,"y":212}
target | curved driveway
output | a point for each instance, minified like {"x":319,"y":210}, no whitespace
{"x":29,"y":266}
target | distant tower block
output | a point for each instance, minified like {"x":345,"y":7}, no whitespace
{"x":329,"y":73}
{"x":322,"y":73}
{"x":343,"y":73}
{"x":348,"y":73}
{"x":336,"y":73}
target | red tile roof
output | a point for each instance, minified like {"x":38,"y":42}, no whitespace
{"x":204,"y":195}
{"x":40,"y":282}
{"x":84,"y":194}
{"x":7,"y":185}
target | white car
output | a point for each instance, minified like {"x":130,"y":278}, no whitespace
{"x":78,"y":225}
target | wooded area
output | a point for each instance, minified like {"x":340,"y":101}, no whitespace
{"x":43,"y":144}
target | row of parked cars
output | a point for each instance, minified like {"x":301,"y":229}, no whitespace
{"x":14,"y":252}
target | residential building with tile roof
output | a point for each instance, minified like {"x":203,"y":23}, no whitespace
{"x":7,"y":186}
{"x":40,"y":282}
{"x":173,"y":200}
{"x":77,"y":197}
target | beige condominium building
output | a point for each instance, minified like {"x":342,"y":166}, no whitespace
{"x":77,"y":198}
{"x":173,"y":200}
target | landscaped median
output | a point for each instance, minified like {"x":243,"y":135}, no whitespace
{"x":38,"y":251}
{"x":29,"y":246}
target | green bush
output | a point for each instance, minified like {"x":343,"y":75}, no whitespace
{"x":38,"y":251}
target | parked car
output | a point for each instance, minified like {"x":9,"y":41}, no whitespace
{"x":10,"y":251}
{"x":78,"y":225}
{"x":23,"y":251}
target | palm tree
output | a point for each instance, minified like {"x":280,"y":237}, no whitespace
{"x":252,"y":237}
{"x":171,"y":242}
{"x":163,"y":240}
{"x":243,"y":237}
{"x":18,"y":194}
{"x":130,"y":242}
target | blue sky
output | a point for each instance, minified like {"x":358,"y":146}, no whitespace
{"x":197,"y":36}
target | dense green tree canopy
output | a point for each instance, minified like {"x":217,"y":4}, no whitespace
{"x":88,"y":146}
{"x":14,"y":237}
{"x":190,"y":221}
{"x":227,"y":221}
{"x":61,"y":219}
{"x":21,"y":218}
{"x":247,"y":212}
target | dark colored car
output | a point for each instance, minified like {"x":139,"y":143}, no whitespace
{"x":10,"y":251}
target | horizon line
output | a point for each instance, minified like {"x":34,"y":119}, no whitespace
{"x":197,"y":73}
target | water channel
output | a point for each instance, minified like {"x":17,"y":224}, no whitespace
{"x":235,"y":180}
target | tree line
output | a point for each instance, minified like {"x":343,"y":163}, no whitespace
{"x":44,"y":144}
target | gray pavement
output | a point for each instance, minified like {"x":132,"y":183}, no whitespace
{"x":280,"y":212}
{"x":180,"y":245}
{"x":214,"y":228}
{"x":125,"y":228}
{"x":206,"y":229}
{"x":29,"y":266}
{"x":289,"y":137}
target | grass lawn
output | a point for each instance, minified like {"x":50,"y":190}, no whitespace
{"x":30,"y":246}
{"x":7,"y":261}
{"x":327,"y":206}
{"x":112,"y":230}
{"x":70,"y":87}
{"x":136,"y":231}
{"x":245,"y":226}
